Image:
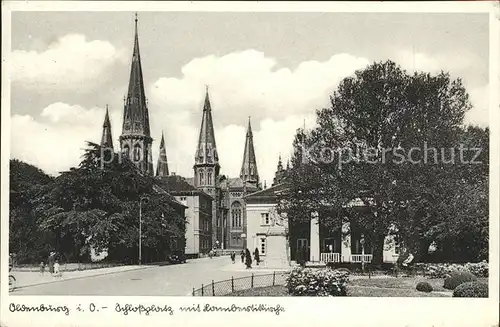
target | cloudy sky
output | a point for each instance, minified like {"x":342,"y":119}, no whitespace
{"x":275,"y":67}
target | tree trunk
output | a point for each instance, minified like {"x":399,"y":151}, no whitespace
{"x":378,"y":249}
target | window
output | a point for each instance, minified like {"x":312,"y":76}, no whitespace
{"x":137,"y":153}
{"x":202,"y":178}
{"x":209,"y":177}
{"x":236,"y":214}
{"x":265,"y":219}
{"x":263,"y":246}
{"x":126,"y":151}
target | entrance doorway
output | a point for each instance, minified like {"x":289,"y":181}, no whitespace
{"x":302,"y":244}
{"x":331,"y":245}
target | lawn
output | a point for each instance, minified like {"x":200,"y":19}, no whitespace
{"x":375,"y":287}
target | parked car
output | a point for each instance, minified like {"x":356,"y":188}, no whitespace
{"x":177,"y":257}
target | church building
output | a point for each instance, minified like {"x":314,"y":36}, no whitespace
{"x":208,"y":195}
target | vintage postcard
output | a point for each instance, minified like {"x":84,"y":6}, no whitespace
{"x":283,"y":163}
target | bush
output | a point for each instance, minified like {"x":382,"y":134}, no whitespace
{"x":458,"y":277}
{"x":480,"y":269}
{"x":424,"y":287}
{"x":443,"y":270}
{"x":471,"y":289}
{"x":317,"y":282}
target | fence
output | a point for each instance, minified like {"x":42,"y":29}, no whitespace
{"x":358,"y":258}
{"x":330,"y":257}
{"x":229,"y":286}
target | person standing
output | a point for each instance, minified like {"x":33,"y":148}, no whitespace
{"x":50,"y":262}
{"x":42,"y":268}
{"x":242,"y":255}
{"x":233,"y":257}
{"x":248,"y":259}
{"x":256,"y":256}
{"x":56,"y":269}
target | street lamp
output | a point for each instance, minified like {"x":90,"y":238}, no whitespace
{"x":362,"y":241}
{"x":145,"y":199}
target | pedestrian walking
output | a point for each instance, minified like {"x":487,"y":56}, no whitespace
{"x":248,"y":259}
{"x":42,"y":268}
{"x":233,"y":257}
{"x":242,"y":255}
{"x":50,"y":261}
{"x":256,"y":256}
{"x":57,"y":273}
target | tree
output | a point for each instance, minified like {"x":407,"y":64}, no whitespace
{"x":96,"y":206}
{"x":25,"y":239}
{"x":361,"y":150}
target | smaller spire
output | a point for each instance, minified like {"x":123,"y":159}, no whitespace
{"x":265,"y":185}
{"x":288,"y":164}
{"x":106,"y":139}
{"x":162,"y":167}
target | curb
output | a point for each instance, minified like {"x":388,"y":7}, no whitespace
{"x":81,"y":277}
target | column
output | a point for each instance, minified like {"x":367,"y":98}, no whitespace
{"x":314,"y":239}
{"x":345,"y":255}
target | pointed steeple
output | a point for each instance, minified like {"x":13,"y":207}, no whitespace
{"x":248,"y":171}
{"x":280,"y":172}
{"x":206,"y":151}
{"x":162,"y":167}
{"x":135,"y":141}
{"x":107,"y":138}
{"x":136,"y":115}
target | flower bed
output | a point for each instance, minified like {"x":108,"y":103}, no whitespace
{"x":317,"y":282}
{"x":442,"y":270}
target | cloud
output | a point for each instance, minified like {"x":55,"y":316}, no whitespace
{"x":54,"y":141}
{"x":70,"y":63}
{"x":242,"y":84}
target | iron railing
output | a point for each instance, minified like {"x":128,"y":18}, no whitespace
{"x":228,"y":286}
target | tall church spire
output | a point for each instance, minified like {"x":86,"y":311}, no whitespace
{"x":162,"y":167}
{"x":206,"y":152}
{"x":136,"y":139}
{"x":107,"y":138}
{"x":206,"y":163}
{"x":248,"y":171}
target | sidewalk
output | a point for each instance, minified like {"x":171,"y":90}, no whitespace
{"x":26,"y":278}
{"x":240,"y":267}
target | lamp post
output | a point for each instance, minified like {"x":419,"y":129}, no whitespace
{"x":362,"y":241}
{"x":145,"y":199}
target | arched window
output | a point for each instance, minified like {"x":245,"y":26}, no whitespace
{"x":209,"y":177}
{"x":126,"y":151}
{"x":137,"y":153}
{"x":236,"y":214}
{"x":202,"y":177}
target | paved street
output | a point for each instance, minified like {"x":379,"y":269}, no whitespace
{"x":177,"y":280}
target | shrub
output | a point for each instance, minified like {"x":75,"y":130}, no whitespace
{"x":458,"y":277}
{"x":471,"y":289}
{"x":480,"y":269}
{"x":424,"y":287}
{"x":442,"y":270}
{"x":317,"y":282}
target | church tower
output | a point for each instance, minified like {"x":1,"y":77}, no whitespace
{"x":248,"y":171}
{"x":162,"y":167}
{"x":135,"y":141}
{"x":206,"y":166}
{"x":280,"y":173}
{"x":107,"y":138}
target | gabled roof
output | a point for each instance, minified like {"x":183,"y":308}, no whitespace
{"x":237,"y":184}
{"x":177,"y":185}
{"x":269,"y":194}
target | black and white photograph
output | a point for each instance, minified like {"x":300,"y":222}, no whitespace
{"x":245,"y":153}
